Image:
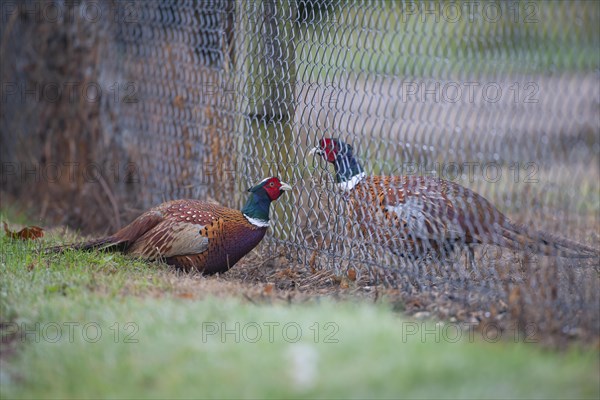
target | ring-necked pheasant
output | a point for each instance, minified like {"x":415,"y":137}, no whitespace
{"x":193,"y":234}
{"x":419,"y":215}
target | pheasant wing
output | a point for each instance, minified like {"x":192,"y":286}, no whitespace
{"x":170,"y":238}
{"x":187,"y":228}
{"x":414,"y":213}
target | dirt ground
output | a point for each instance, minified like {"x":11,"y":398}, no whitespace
{"x":268,"y":279}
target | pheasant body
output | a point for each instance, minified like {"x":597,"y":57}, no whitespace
{"x":420,"y":215}
{"x":193,"y":234}
{"x":230,"y":237}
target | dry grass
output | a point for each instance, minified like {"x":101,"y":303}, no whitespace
{"x":547,"y":302}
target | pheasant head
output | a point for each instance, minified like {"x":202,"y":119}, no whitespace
{"x":348,"y":171}
{"x":262,"y":194}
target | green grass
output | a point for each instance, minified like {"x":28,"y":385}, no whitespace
{"x":154,"y":343}
{"x":389,"y":38}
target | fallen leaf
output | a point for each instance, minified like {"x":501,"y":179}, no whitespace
{"x":311,"y":262}
{"x":514,"y":297}
{"x":268,"y":288}
{"x":351,"y":274}
{"x":29,"y":232}
{"x":414,"y":304}
{"x":179,"y":102}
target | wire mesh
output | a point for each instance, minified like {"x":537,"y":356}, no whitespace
{"x":499,"y":97}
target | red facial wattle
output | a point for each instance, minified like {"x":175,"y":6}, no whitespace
{"x":272,"y":186}
{"x":329,"y":149}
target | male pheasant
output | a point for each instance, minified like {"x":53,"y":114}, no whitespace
{"x":417,"y":215}
{"x":192,"y":234}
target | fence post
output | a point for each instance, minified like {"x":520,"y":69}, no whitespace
{"x":267,"y":38}
{"x":265,"y":75}
{"x":265,"y":71}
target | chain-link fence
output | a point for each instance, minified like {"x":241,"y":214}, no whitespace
{"x":203,"y":98}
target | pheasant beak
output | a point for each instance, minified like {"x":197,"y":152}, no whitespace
{"x":285,"y":187}
{"x":316,"y":150}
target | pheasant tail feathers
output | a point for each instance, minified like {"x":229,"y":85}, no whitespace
{"x":519,"y":237}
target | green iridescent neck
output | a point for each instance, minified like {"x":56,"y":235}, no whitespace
{"x":257,"y":206}
{"x":347,"y":168}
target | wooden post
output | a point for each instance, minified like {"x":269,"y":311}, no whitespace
{"x":267,"y":37}
{"x":265,"y":77}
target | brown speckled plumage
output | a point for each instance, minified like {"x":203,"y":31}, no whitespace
{"x":192,"y":234}
{"x":221,"y":235}
{"x":419,"y":215}
{"x":416,"y":215}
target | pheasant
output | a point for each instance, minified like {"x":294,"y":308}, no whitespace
{"x":193,"y":234}
{"x":420,"y":215}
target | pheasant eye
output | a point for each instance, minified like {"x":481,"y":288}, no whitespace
{"x":271,"y":184}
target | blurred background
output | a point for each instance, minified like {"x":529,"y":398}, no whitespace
{"x":109,"y":108}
